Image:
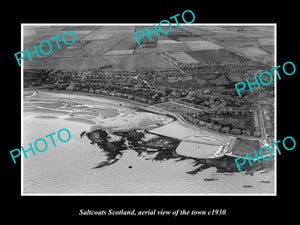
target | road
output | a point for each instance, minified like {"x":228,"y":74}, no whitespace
{"x":262,"y":126}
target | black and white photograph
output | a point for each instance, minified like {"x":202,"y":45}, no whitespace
{"x":159,"y":115}
{"x":169,"y":113}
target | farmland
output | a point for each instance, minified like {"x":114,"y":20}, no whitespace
{"x":216,"y":56}
{"x":183,"y":57}
{"x":117,"y":46}
{"x":138,"y":62}
{"x":201,"y":45}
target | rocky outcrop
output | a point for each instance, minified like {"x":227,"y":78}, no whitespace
{"x":158,"y":148}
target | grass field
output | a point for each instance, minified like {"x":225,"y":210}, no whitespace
{"x":119,"y":52}
{"x":188,"y":44}
{"x":266,"y":41}
{"x":100,"y":47}
{"x":172,"y":47}
{"x":85,"y":27}
{"x":183,"y":57}
{"x":201,"y":45}
{"x":234,"y":77}
{"x":127,"y":43}
{"x":197,"y":30}
{"x":139,"y":62}
{"x":269,"y":48}
{"x":97,"y":36}
{"x":70,"y":63}
{"x":245,"y":146}
{"x":252,"y":51}
{"x":213,"y":56}
{"x":222,"y":80}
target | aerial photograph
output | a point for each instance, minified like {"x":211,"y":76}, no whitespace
{"x":159,"y":118}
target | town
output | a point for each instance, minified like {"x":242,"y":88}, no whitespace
{"x":201,"y":95}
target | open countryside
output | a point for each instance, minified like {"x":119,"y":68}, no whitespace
{"x":176,"y":100}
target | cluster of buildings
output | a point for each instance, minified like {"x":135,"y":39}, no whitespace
{"x":222,"y":113}
{"x":125,"y":84}
{"x":209,"y":120}
{"x":217,"y":105}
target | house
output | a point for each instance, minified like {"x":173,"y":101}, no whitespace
{"x":236,"y":131}
{"x":225,"y":129}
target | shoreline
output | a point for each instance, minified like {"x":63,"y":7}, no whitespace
{"x":143,"y":107}
{"x":116,"y":100}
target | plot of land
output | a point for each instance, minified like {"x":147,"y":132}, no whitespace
{"x":76,"y":32}
{"x":70,"y":63}
{"x":119,"y":52}
{"x":245,"y":146}
{"x":138,"y":62}
{"x":268,"y":48}
{"x":165,"y":40}
{"x":171,"y":47}
{"x":126,"y":43}
{"x":97,"y":36}
{"x":222,"y":80}
{"x":100,"y":47}
{"x":266,"y":41}
{"x":241,"y":31}
{"x":82,"y":27}
{"x":117,"y":29}
{"x":165,"y":47}
{"x":202,"y":45}
{"x":71,"y":52}
{"x":196,"y":150}
{"x":253,"y":51}
{"x":197,"y":30}
{"x":183,"y":57}
{"x":188,"y":44}
{"x":234,"y":77}
{"x":214,"y":56}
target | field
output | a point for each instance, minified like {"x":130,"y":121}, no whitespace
{"x":100,"y":47}
{"x":70,"y":63}
{"x":201,"y":45}
{"x":183,"y":57}
{"x":197,"y":30}
{"x":127,"y":43}
{"x":116,"y":45}
{"x":222,"y":80}
{"x":138,"y":62}
{"x":253,"y":51}
{"x":245,"y":146}
{"x":213,"y":56}
{"x":172,"y":47}
{"x":119,"y":52}
{"x":269,"y":48}
{"x":234,"y":77}
{"x":97,"y":36}
{"x":165,"y":40}
{"x":266,"y":41}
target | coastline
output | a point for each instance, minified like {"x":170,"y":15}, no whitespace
{"x":144,"y":155}
{"x":142,"y":107}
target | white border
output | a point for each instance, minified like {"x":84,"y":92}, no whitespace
{"x":150,"y":24}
